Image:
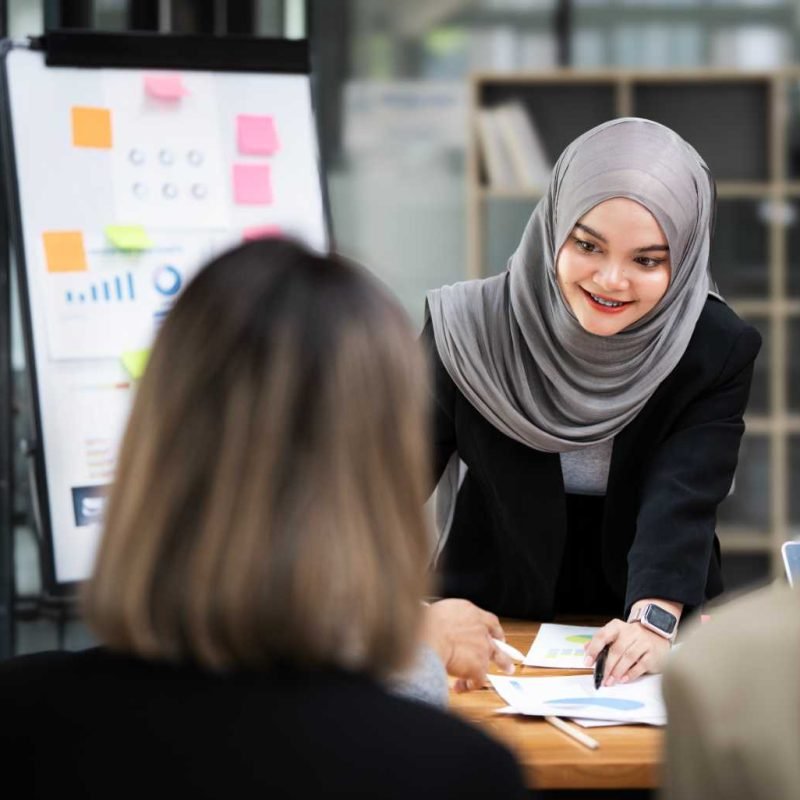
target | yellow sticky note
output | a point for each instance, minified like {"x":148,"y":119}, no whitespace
{"x":135,"y":362}
{"x":128,"y":237}
{"x":64,"y":251}
{"x":91,"y":127}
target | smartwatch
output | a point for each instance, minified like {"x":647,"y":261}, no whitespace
{"x":656,"y":619}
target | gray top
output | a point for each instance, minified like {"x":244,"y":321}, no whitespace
{"x":586,"y":471}
{"x":425,"y":681}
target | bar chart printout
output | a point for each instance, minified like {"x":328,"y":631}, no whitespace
{"x":560,"y":646}
{"x":114,"y":289}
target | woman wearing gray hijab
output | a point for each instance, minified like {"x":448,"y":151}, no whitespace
{"x":590,"y":400}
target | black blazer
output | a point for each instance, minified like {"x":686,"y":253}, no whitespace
{"x":99,"y":725}
{"x":670,"y":468}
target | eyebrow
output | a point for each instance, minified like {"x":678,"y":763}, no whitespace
{"x":660,"y":247}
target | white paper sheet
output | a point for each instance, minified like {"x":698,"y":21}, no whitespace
{"x":575,"y":696}
{"x":584,"y":723}
{"x":559,"y":646}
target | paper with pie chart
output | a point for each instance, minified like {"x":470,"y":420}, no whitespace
{"x":559,"y":646}
{"x":575,"y":696}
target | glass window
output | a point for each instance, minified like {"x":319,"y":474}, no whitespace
{"x":739,"y":257}
{"x":748,"y":505}
{"x":793,"y":378}
{"x":794,"y":486}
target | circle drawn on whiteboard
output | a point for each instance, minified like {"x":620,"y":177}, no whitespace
{"x":136,"y":156}
{"x":194,"y":157}
{"x":169,"y":190}
{"x":140,"y":190}
{"x":167,"y":280}
{"x":199,"y":190}
{"x":166,"y":157}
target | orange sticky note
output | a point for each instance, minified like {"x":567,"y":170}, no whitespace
{"x":64,"y":251}
{"x":91,"y":127}
{"x":260,"y":232}
{"x":165,"y":87}
{"x":256,"y":135}
{"x":252,"y":184}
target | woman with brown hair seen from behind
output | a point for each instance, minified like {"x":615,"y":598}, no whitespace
{"x":262,"y":564}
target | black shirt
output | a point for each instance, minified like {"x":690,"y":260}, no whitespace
{"x":100,"y":725}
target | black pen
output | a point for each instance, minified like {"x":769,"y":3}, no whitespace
{"x":600,"y":667}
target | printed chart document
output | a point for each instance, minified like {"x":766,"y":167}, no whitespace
{"x":575,"y":696}
{"x":559,"y":646}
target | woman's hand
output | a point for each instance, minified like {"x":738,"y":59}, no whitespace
{"x":461,"y":633}
{"x":634,"y":650}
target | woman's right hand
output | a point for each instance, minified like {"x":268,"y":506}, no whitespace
{"x":461,"y":634}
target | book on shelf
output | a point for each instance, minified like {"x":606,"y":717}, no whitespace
{"x":496,"y":159}
{"x":512,"y":149}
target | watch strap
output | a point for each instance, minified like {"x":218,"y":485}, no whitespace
{"x":636,"y":614}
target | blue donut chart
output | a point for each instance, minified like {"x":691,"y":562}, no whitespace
{"x":167,"y":280}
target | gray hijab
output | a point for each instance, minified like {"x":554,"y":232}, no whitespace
{"x":512,"y":345}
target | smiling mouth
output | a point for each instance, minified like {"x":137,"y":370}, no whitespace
{"x":603,"y":303}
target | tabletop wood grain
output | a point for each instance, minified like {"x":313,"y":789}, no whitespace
{"x":629,"y":756}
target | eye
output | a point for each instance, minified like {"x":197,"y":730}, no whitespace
{"x":649,"y":263}
{"x":584,"y":246}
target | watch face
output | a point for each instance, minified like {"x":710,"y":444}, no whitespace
{"x":661,"y":619}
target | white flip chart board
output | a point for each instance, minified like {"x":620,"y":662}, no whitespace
{"x":124,"y":182}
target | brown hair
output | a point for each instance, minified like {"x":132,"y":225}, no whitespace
{"x":269,"y":495}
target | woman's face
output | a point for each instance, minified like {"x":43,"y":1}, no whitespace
{"x":614,"y":266}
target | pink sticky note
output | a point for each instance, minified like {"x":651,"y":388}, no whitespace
{"x":251,"y":184}
{"x":261,"y":232}
{"x":256,"y":135}
{"x":165,"y":87}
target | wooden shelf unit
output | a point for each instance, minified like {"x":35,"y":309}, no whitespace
{"x":747,"y":127}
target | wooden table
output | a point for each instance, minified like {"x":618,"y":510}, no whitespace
{"x":629,"y":756}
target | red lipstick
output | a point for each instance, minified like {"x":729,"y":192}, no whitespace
{"x":604,"y":308}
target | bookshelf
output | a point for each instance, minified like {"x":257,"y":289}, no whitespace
{"x":747,"y":127}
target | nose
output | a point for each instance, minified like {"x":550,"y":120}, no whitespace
{"x":612,"y":277}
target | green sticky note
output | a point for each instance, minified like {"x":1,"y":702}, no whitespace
{"x":132,"y":238}
{"x":135,"y":361}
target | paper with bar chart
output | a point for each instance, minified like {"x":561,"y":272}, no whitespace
{"x":559,"y":646}
{"x":575,"y":696}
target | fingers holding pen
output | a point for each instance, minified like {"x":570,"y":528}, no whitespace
{"x":502,"y":659}
{"x":607,"y":635}
{"x":619,"y":664}
{"x":633,"y":651}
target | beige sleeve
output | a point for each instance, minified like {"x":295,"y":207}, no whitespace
{"x":733,"y":703}
{"x":688,"y":764}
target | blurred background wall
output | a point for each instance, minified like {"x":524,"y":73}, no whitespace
{"x":399,"y":89}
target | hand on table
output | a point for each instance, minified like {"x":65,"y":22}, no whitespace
{"x":634,"y":650}
{"x":461,"y":634}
